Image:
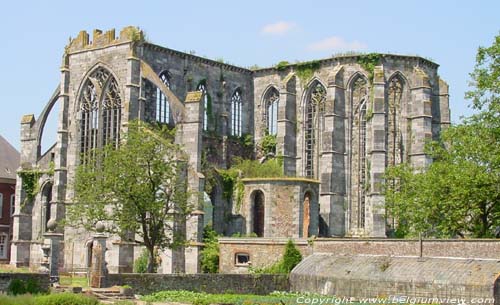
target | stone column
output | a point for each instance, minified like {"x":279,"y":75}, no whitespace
{"x":376,"y":138}
{"x":98,"y":268}
{"x":287,"y":126}
{"x":332,"y":158}
{"x":22,"y":224}
{"x":420,"y":118}
{"x":194,"y":234}
{"x":190,"y":136}
{"x":444,"y":105}
{"x":55,"y":241}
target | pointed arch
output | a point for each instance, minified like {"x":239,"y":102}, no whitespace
{"x":236,"y":115}
{"x":394,"y":106}
{"x":359,"y":97}
{"x":271,"y":101}
{"x":314,"y":106}
{"x":202,"y":86}
{"x":162,"y":113}
{"x":100,"y":106}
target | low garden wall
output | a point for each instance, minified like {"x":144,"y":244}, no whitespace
{"x":43,"y":280}
{"x":210,"y":283}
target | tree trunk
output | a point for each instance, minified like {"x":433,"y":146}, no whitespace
{"x":151,"y":260}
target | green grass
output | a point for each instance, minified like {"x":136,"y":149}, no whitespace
{"x":5,"y":268}
{"x":75,"y":281}
{"x":201,"y":298}
{"x":52,"y":299}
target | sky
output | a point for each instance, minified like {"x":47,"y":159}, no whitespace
{"x":244,"y":33}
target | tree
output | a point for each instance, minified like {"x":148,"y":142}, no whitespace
{"x":459,"y":193}
{"x":136,"y":190}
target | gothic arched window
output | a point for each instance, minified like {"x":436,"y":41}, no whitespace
{"x":314,"y":108}
{"x":359,"y":97}
{"x":394,"y":137}
{"x":100,"y":106}
{"x":162,"y":103}
{"x":203,"y":88}
{"x":236,"y":113}
{"x":271,"y":102}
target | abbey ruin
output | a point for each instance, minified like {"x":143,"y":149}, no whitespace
{"x":338,"y":122}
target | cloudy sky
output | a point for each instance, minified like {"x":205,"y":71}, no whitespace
{"x":244,"y":33}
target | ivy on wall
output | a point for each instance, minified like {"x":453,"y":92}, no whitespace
{"x":30,"y":179}
{"x":368,"y":62}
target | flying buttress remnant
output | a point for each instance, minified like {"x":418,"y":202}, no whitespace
{"x":177,"y":107}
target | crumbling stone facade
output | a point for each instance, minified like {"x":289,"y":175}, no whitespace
{"x":338,"y":121}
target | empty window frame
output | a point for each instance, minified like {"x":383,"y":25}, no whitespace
{"x":236,"y":119}
{"x":203,"y":88}
{"x":314,"y":108}
{"x":162,"y":103}
{"x":100,"y":107}
{"x":271,"y":102}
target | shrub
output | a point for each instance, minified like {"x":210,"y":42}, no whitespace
{"x":141,"y":263}
{"x":18,"y":286}
{"x":292,"y":256}
{"x":210,"y":253}
{"x":290,"y":259}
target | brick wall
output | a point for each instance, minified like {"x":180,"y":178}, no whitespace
{"x":210,"y":283}
{"x":42,"y":279}
{"x":266,"y":251}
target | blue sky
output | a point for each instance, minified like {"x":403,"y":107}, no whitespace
{"x":241,"y":32}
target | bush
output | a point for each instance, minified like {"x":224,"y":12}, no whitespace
{"x":290,"y":259}
{"x":210,"y":253}
{"x":18,"y":286}
{"x":141,"y":263}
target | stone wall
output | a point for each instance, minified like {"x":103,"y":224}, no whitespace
{"x":42,"y":279}
{"x":283,"y":206}
{"x":265,"y":251}
{"x":210,"y":283}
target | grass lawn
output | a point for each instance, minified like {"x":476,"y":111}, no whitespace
{"x":75,"y":281}
{"x":6,"y":268}
{"x":200,"y":298}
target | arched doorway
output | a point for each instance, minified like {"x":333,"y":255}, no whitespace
{"x":46,"y":205}
{"x":306,"y":214}
{"x":258,"y":213}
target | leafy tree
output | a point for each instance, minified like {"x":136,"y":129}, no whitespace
{"x":459,"y":194}
{"x":138,"y":189}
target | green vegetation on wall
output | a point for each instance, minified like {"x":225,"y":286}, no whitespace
{"x":268,"y":144}
{"x":368,"y":62}
{"x":305,"y":70}
{"x":244,"y":168}
{"x":282,"y":65}
{"x":30,"y":179}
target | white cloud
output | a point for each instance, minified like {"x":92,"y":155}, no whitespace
{"x":278,"y":28}
{"x":336,"y":43}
